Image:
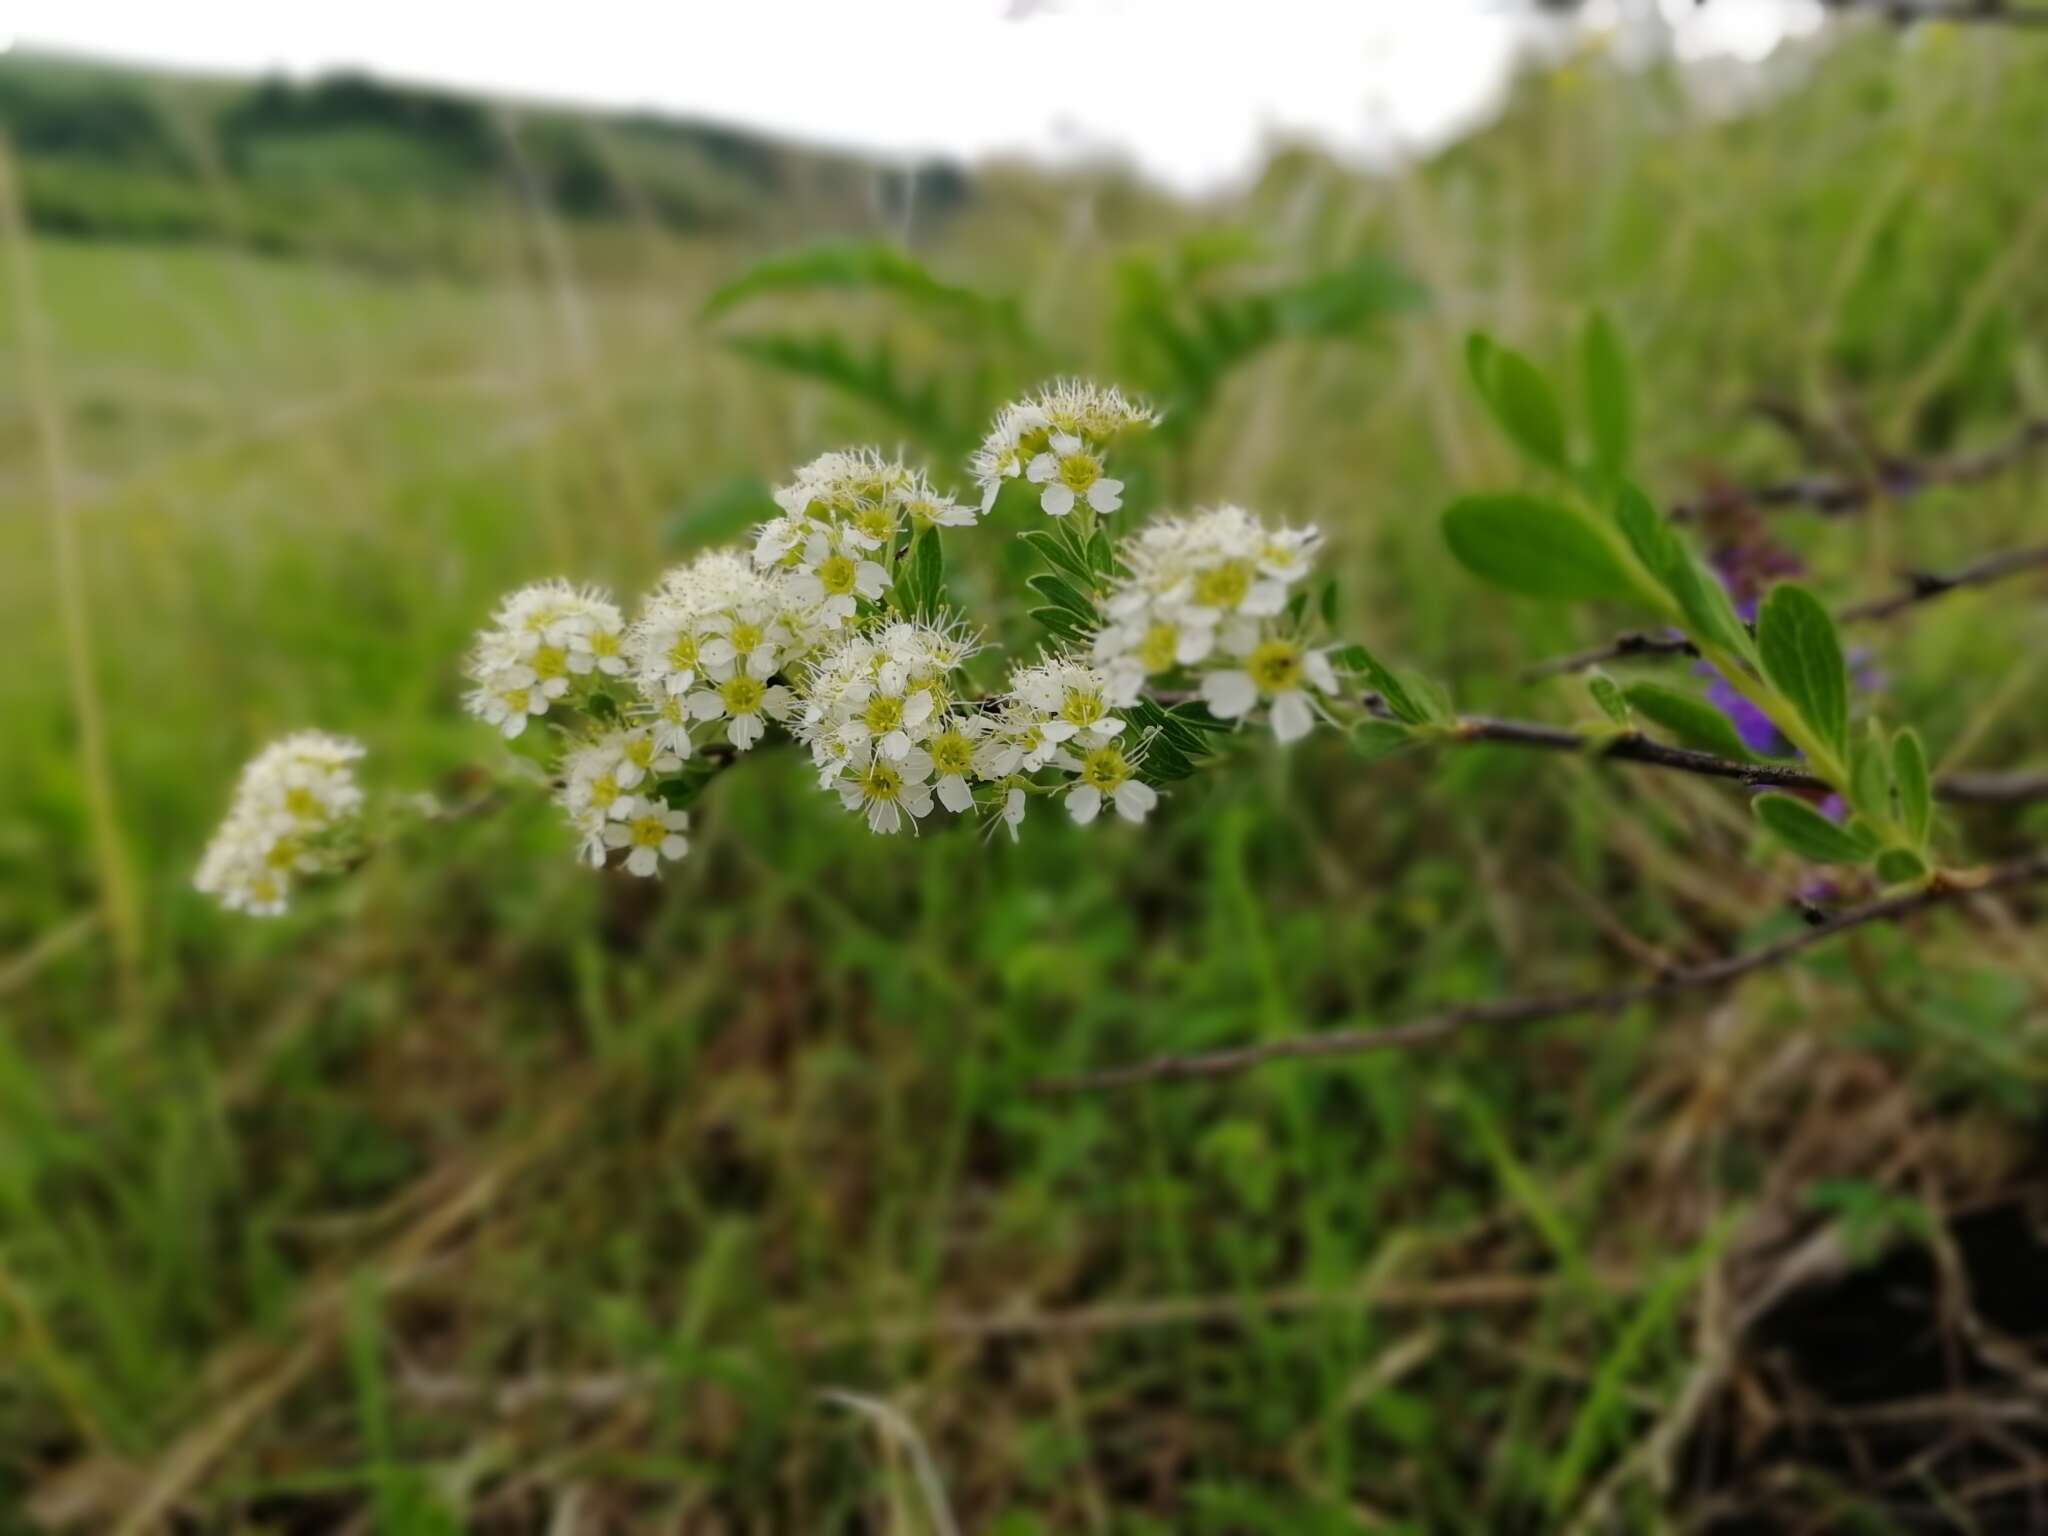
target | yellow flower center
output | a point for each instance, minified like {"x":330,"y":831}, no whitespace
{"x":682,"y":655}
{"x":837,"y":573}
{"x":952,"y":753}
{"x":1275,"y":665}
{"x":516,"y":700}
{"x":883,"y":714}
{"x":881,"y":781}
{"x":746,"y":636}
{"x":604,"y":642}
{"x":741,"y":693}
{"x":1225,"y":586}
{"x":640,"y":751}
{"x":550,"y":661}
{"x":281,"y":854}
{"x":1105,"y":769}
{"x":647,"y":831}
{"x":1083,"y":706}
{"x":1078,"y":471}
{"x":1156,"y":650}
{"x":876,"y":522}
{"x":302,"y":803}
{"x":604,"y":789}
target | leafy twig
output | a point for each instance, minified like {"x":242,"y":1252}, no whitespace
{"x":1551,"y":1005}
{"x":1915,"y":587}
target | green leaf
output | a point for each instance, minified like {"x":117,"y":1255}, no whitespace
{"x":1901,"y":866}
{"x":1382,"y":680}
{"x":1520,"y":400}
{"x":872,"y":379}
{"x":1802,"y":656}
{"x":1060,"y":621}
{"x":1061,"y":594}
{"x":1911,"y":780}
{"x":1057,"y":553}
{"x":1806,"y":832}
{"x":1375,"y":739}
{"x":1695,"y":722}
{"x":866,"y":264}
{"x":1537,"y":548}
{"x":1870,"y":776}
{"x":921,"y":578}
{"x":1326,"y":603}
{"x":1608,"y":695}
{"x":1702,"y":601}
{"x":1610,"y":401}
{"x":1101,"y":553}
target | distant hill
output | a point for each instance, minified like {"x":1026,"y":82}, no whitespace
{"x":353,"y":167}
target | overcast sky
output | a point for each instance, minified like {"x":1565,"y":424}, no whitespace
{"x":1192,"y":90}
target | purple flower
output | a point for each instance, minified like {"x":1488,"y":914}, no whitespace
{"x":1751,"y":723}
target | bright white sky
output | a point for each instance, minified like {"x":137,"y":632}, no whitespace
{"x":1192,"y":90}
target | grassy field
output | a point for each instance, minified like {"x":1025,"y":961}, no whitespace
{"x":484,"y":1194}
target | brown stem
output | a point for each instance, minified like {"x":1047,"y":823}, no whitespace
{"x":1550,"y":1005}
{"x":1893,"y":479}
{"x":1958,"y":788}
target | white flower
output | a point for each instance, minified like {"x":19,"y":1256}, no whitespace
{"x":1274,"y":671}
{"x":886,"y":790}
{"x":1069,"y":471}
{"x":952,"y":751}
{"x":1105,"y":775}
{"x":294,"y":808}
{"x":928,"y":509}
{"x":652,"y":833}
{"x":1013,"y":812}
{"x":740,"y":693}
{"x":835,"y":581}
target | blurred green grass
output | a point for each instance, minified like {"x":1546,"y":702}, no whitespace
{"x":479,"y":1189}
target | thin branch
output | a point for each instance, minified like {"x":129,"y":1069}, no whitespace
{"x":1551,"y":1005}
{"x":1924,"y":586}
{"x":1915,"y":588}
{"x":1893,"y":479}
{"x":1958,"y":788}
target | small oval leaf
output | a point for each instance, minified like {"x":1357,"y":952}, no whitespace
{"x":1536,"y":547}
{"x":1802,"y":656}
{"x":1806,"y":831}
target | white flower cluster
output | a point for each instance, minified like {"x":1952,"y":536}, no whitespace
{"x":802,"y":628}
{"x":1057,"y":718}
{"x":599,"y":783}
{"x":881,"y":715}
{"x":841,"y":511}
{"x":1210,"y":594}
{"x":540,"y":641}
{"x":707,"y":641}
{"x":1057,"y":440}
{"x":294,"y":807}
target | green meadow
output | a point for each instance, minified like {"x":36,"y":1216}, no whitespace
{"x":484,"y":1193}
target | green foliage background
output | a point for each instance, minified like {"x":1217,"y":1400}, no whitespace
{"x":480,"y":1189}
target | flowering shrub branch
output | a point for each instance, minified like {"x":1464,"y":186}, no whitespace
{"x":832,"y":627}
